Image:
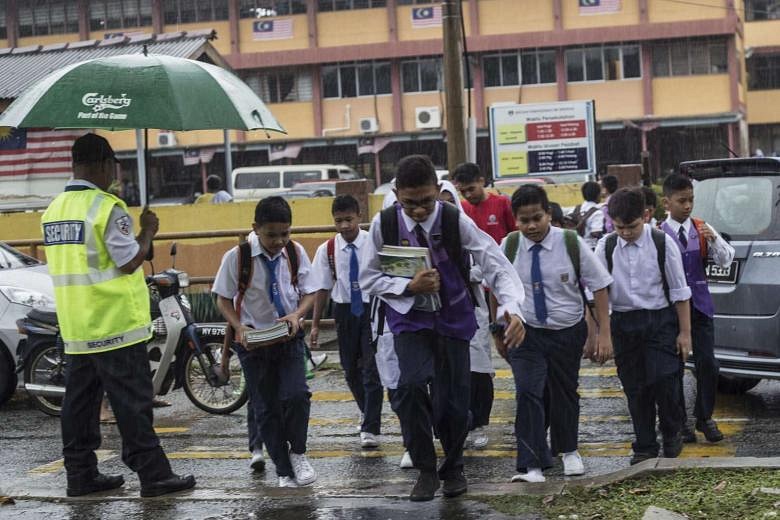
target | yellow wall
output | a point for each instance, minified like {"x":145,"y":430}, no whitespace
{"x":100,"y":35}
{"x":762,"y":34}
{"x":296,"y":118}
{"x":247,"y":43}
{"x":614,"y":99}
{"x":334,"y":110}
{"x":222,"y":43}
{"x":511,"y":16}
{"x":628,"y":15}
{"x":356,"y":27}
{"x":763,"y":106}
{"x":665,"y":11}
{"x":3,"y":44}
{"x":528,"y":94}
{"x":49,"y":39}
{"x":690,"y":95}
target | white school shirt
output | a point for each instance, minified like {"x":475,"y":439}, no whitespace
{"x":720,"y":251}
{"x":637,"y":279}
{"x":257,"y":309}
{"x":595,"y":223}
{"x":498,"y":273}
{"x":340,"y":291}
{"x":561,"y":294}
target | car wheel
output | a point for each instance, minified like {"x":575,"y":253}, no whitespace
{"x":736,"y":385}
{"x":8,"y":378}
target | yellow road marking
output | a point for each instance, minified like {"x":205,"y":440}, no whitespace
{"x":506,"y":373}
{"x":170,"y":429}
{"x":334,"y":396}
{"x":59,"y":464}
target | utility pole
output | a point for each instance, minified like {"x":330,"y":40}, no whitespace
{"x":453,"y":82}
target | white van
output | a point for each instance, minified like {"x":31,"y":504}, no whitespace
{"x":257,"y":182}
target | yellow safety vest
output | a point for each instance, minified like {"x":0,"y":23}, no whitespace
{"x":206,"y":197}
{"x":99,"y":308}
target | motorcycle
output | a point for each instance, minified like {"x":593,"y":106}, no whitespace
{"x":182,"y":353}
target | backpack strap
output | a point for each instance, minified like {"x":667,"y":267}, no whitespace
{"x":511,"y":246}
{"x":331,"y":250}
{"x":293,"y":262}
{"x":388,"y":224}
{"x":450,"y":232}
{"x":571,"y":240}
{"x":609,"y":249}
{"x":659,"y":239}
{"x":245,"y":267}
{"x":704,"y":247}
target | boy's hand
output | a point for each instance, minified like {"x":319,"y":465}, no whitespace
{"x":501,"y":347}
{"x":294,"y":321}
{"x":314,"y":336}
{"x":603,"y":349}
{"x":242,"y":334}
{"x":684,"y":345}
{"x":707,"y":233}
{"x":514,"y":333}
{"x":425,"y":282}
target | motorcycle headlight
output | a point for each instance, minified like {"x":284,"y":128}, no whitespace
{"x":184,"y":279}
{"x":27,"y":297}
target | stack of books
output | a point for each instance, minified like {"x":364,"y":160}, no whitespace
{"x":406,"y":262}
{"x":267,"y":337}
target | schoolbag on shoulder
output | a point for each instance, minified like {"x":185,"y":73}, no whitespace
{"x":577,"y":220}
{"x":659,"y":239}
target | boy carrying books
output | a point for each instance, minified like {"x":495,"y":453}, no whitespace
{"x":432,"y":341}
{"x":266,"y":316}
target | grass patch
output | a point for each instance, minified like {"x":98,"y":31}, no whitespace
{"x":699,"y":494}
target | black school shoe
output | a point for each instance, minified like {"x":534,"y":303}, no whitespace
{"x":710,"y":430}
{"x":99,"y":483}
{"x":673,"y":446}
{"x":171,"y":484}
{"x":425,"y":487}
{"x":688,"y":435}
{"x":636,"y":458}
{"x":455,"y":485}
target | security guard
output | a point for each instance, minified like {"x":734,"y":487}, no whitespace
{"x":103,"y":312}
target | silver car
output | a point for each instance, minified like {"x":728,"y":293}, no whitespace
{"x":24,"y":283}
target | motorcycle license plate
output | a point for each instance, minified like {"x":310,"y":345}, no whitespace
{"x":718,"y":274}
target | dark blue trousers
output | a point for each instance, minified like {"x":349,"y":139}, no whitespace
{"x":707,"y":367}
{"x":425,"y":358}
{"x":481,"y":399}
{"x":648,"y":366}
{"x":276,"y":380}
{"x":253,"y":429}
{"x":125,"y":377}
{"x":359,"y":363}
{"x":547,"y":359}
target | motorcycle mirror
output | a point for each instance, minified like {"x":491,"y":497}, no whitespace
{"x":173,"y":254}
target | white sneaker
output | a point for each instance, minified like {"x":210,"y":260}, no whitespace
{"x":368,"y":440}
{"x":258,"y":460}
{"x":406,"y":461}
{"x":304,"y":473}
{"x":359,"y":426}
{"x":479,"y":438}
{"x":317,"y":360}
{"x":533,"y":475}
{"x":572,"y":464}
{"x":288,"y":482}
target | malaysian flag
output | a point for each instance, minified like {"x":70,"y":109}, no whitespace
{"x":278,"y":29}
{"x":284,"y":151}
{"x":36,"y":151}
{"x":423,"y":17}
{"x":193,"y":157}
{"x":372,"y":144}
{"x":599,"y":6}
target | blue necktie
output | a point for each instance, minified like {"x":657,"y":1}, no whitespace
{"x":355,"y":295}
{"x":540,"y":305}
{"x":273,"y":285}
{"x":683,"y":238}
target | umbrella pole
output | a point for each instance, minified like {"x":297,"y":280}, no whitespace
{"x":141,"y":160}
{"x":228,"y":162}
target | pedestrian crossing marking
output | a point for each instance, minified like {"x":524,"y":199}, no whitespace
{"x":59,"y":464}
{"x":609,"y":371}
{"x":335,"y":396}
{"x":170,"y":429}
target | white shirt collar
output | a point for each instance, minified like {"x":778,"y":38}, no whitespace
{"x":547,"y":241}
{"x":359,"y":240}
{"x":641,"y":241}
{"x":427,"y":224}
{"x":676,"y":225}
{"x":258,"y":249}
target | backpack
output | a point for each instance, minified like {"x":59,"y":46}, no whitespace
{"x":704,"y":247}
{"x":330,"y":249}
{"x":577,"y":220}
{"x":659,"y":239}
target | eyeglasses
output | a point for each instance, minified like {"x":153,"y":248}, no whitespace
{"x":428,"y":203}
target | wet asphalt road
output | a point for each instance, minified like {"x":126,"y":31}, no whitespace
{"x":352,"y":483}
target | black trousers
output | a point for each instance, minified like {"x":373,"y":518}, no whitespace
{"x":359,"y":363}
{"x":648,"y":366}
{"x":707,"y":367}
{"x":547,"y":360}
{"x":276,"y":380}
{"x":426,"y":358}
{"x":125,"y":377}
{"x":481,"y":399}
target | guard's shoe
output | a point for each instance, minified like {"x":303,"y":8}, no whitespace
{"x":258,"y":460}
{"x":673,"y":446}
{"x":455,"y":485}
{"x":425,"y":487}
{"x":406,"y":461}
{"x":531,"y":475}
{"x":710,"y":430}
{"x":479,"y":438}
{"x":572,"y":464}
{"x":287,"y":482}
{"x":304,"y":473}
{"x":688,"y":435}
{"x":638,"y":457}
{"x":169,"y":485}
{"x":368,"y":440}
{"x":99,"y":483}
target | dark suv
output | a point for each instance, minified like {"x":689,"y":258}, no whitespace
{"x":739,"y":198}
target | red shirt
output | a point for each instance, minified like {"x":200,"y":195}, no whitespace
{"x":493,"y":216}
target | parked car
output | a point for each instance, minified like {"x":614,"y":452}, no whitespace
{"x":304,"y":190}
{"x":24,"y":283}
{"x":739,"y":198}
{"x":256,"y":182}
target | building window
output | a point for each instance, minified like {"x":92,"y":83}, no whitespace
{"x":762,"y":10}
{"x":515,"y":68}
{"x":421,"y":75}
{"x":343,"y":5}
{"x":119,"y":14}
{"x":3,"y":28}
{"x":689,"y":57}
{"x":42,"y":17}
{"x":280,"y":86}
{"x":611,"y":62}
{"x":345,"y":80}
{"x":266,"y":8}
{"x":193,"y":11}
{"x":763,"y":72}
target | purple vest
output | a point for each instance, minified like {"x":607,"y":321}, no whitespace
{"x":609,"y":227}
{"x":694,"y":269}
{"x":456,"y":318}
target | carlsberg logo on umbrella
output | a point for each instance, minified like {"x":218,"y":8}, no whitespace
{"x":100,"y":102}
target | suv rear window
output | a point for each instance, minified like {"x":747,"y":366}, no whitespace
{"x":291,"y":178}
{"x":257,"y":180}
{"x":740,"y":206}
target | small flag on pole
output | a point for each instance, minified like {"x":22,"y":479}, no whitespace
{"x":278,"y":29}
{"x":193,"y":156}
{"x":599,"y":6}
{"x":284,"y":151}
{"x":423,"y":17}
{"x":372,"y":144}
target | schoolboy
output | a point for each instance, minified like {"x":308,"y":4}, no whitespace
{"x":544,"y":257}
{"x":698,"y":242}
{"x":609,"y":185}
{"x":433,"y":347}
{"x":651,"y":204}
{"x":591,"y":218}
{"x":281,"y":289}
{"x":490,"y":212}
{"x":337,"y":266}
{"x":651,"y":327}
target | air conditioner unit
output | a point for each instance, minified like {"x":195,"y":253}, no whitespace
{"x":427,"y":117}
{"x":166,"y":139}
{"x":368,"y":125}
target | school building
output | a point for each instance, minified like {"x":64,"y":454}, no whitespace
{"x":678,"y":79}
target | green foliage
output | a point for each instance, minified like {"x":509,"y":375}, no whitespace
{"x":204,"y":305}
